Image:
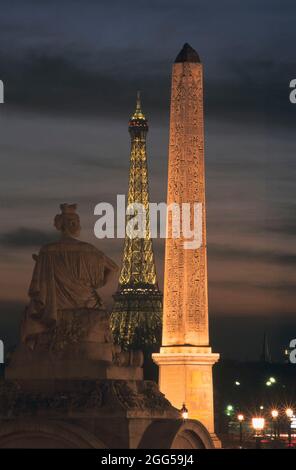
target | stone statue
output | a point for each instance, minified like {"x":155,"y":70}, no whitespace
{"x":66,"y":277}
{"x":65,"y":331}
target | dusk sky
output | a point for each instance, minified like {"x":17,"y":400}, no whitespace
{"x":71,"y":70}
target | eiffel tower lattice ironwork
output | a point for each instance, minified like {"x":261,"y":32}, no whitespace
{"x":137,"y":310}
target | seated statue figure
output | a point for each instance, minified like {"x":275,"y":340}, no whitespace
{"x":65,"y":330}
{"x":65,"y":280}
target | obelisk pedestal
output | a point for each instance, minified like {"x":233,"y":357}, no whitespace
{"x":185,"y":377}
{"x":186,"y":359}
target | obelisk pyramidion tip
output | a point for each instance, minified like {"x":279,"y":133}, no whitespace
{"x":187,"y":54}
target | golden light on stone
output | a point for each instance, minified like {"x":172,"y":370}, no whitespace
{"x":258,"y":424}
{"x":186,"y":359}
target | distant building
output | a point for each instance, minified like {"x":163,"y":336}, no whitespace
{"x":265,"y":353}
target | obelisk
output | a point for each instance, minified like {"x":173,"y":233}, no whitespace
{"x":186,"y":359}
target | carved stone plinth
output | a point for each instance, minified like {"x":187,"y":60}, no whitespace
{"x":26,"y":366}
{"x":78,"y":346}
{"x":93,"y":414}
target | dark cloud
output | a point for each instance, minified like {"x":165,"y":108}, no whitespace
{"x":26,"y":237}
{"x":252,"y":99}
{"x":286,"y":227}
{"x":60,"y":84}
{"x":235,"y":253}
{"x":282,"y":220}
{"x":101,"y":78}
{"x":283,"y":287}
{"x":280,"y":225}
{"x":104,"y":163}
{"x":56,"y":83}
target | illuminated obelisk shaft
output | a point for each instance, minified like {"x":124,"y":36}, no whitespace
{"x":185,"y":358}
{"x":185,"y":319}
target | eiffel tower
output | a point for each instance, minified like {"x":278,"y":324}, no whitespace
{"x":137,"y":310}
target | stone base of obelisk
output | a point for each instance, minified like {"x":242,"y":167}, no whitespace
{"x":185,"y":376}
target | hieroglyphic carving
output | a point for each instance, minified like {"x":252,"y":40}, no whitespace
{"x":185,"y":286}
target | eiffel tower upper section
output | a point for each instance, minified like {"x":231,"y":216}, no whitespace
{"x":138,"y":266}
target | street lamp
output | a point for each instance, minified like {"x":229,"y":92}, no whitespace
{"x":289,"y":413}
{"x":240,"y":418}
{"x":258,"y":424}
{"x":184,"y":412}
{"x":274,"y":414}
{"x":229,"y":410}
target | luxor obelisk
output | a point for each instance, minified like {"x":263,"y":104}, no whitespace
{"x":186,"y":359}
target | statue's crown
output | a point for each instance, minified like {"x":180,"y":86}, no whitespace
{"x":68,"y":208}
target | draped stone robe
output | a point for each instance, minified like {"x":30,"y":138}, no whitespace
{"x":66,"y":276}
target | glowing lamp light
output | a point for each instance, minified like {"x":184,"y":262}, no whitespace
{"x":274,"y":414}
{"x":268,"y":383}
{"x":258,"y":424}
{"x":240,"y":417}
{"x":229,"y":410}
{"x":261,"y":407}
{"x":272,"y":380}
{"x":293,"y":423}
{"x":184,"y":412}
{"x":289,"y":412}
{"x":237,"y":383}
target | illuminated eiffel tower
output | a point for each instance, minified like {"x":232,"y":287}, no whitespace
{"x":137,"y":310}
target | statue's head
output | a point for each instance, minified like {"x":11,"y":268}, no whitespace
{"x":68,"y":221}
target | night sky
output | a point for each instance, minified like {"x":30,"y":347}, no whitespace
{"x":71,"y":70}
